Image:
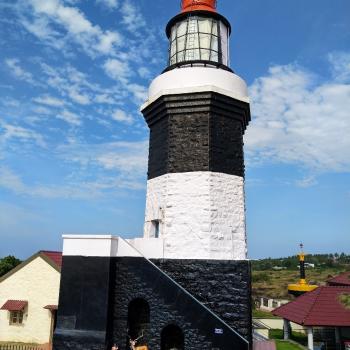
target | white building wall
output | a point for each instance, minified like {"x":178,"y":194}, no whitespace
{"x":201,"y":214}
{"x":38,"y":283}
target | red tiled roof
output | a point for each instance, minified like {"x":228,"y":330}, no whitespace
{"x":14,"y":305}
{"x":51,"y":307}
{"x":321,"y":307}
{"x":56,"y":257}
{"x":341,"y":280}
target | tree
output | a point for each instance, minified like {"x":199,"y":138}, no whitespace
{"x":7,"y":264}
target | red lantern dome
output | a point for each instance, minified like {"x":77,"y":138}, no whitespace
{"x":196,"y":5}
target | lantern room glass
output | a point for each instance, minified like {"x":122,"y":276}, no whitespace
{"x":199,"y":39}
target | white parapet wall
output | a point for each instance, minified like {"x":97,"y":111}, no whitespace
{"x":201,"y":215}
{"x":90,"y":245}
{"x":112,"y":246}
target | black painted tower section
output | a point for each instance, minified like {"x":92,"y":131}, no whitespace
{"x":196,"y":132}
{"x":82,"y":317}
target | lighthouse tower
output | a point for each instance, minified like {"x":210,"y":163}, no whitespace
{"x":186,"y":284}
{"x":197,"y":112}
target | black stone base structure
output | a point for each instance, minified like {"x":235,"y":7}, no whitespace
{"x":167,"y":304}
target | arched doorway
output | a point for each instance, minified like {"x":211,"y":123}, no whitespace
{"x":172,"y":338}
{"x":138,"y":320}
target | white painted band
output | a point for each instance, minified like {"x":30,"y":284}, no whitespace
{"x":201,"y":215}
{"x":197,"y":79}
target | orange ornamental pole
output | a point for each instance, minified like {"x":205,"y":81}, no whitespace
{"x":196,"y":5}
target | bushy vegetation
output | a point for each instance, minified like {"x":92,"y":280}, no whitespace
{"x":261,"y":277}
{"x":7,"y":264}
{"x":345,"y":300}
{"x":292,"y":262}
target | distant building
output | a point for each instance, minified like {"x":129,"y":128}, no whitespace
{"x":29,"y":299}
{"x":269,"y":304}
{"x":279,"y":268}
{"x":309,"y":265}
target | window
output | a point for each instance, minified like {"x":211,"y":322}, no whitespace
{"x":198,"y":38}
{"x":155,"y":224}
{"x":16,"y":317}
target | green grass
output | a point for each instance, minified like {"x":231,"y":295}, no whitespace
{"x":296,"y":336}
{"x":263,"y":314}
{"x":286,"y":345}
{"x":276,"y":334}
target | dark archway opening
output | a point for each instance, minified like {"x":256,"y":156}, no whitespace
{"x":138,"y":320}
{"x":172,"y":338}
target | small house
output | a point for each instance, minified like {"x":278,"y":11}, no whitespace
{"x":29,"y":299}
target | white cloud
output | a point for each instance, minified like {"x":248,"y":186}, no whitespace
{"x":104,"y":98}
{"x":107,"y":42}
{"x":42,"y":110}
{"x":92,"y":38}
{"x":50,"y":101}
{"x":299,"y":120}
{"x":132,"y":17}
{"x":78,"y":97}
{"x":117,"y":69}
{"x":128,"y":158}
{"x":144,"y":72}
{"x":111,"y":4}
{"x":14,"y":183}
{"x":14,"y":65}
{"x":9,"y":132}
{"x":341,"y":65}
{"x":76,"y":85}
{"x":307,"y":182}
{"x":139,"y":92}
{"x":69,"y":117}
{"x":121,"y":72}
{"x":10,"y":180}
{"x":113,"y":164}
{"x":120,"y":116}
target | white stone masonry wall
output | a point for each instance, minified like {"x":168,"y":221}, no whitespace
{"x":201,"y":215}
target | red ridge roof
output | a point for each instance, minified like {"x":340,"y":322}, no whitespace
{"x":14,"y":305}
{"x":340,"y":280}
{"x":51,"y":307}
{"x":56,"y":257}
{"x":321,"y":307}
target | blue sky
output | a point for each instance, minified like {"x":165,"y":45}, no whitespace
{"x":73,"y":145}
